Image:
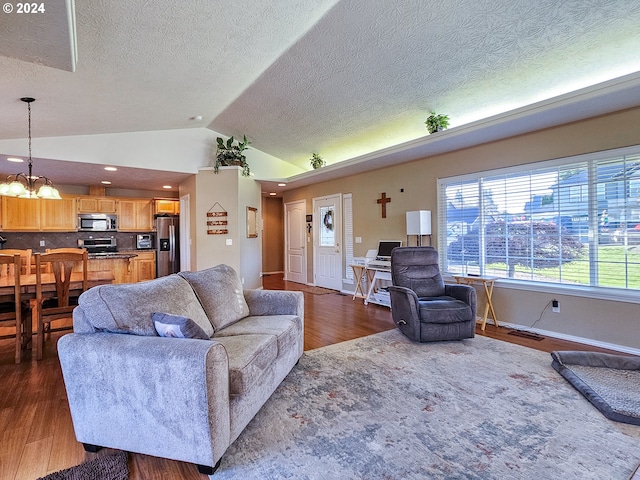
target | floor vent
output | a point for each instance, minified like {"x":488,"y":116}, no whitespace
{"x":530,"y":335}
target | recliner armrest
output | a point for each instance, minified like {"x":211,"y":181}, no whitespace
{"x":464,"y":293}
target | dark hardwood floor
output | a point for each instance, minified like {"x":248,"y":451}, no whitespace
{"x":36,"y":433}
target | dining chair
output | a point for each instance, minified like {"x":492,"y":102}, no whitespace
{"x":54,"y":304}
{"x":11,"y":306}
{"x":25,"y":258}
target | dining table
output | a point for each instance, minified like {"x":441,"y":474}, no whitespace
{"x":28,"y":290}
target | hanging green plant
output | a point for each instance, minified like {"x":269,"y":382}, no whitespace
{"x":230,"y":154}
{"x":317,"y":161}
{"x":437,"y":122}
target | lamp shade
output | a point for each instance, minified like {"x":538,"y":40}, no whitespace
{"x":419,"y":222}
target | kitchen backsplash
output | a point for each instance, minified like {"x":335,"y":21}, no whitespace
{"x":23,"y":240}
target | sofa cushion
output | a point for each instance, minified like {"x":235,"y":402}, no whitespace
{"x":177,"y":326}
{"x":127,"y":308}
{"x":286,"y":328}
{"x":249,"y":356}
{"x":443,"y":310}
{"x":219,"y":290}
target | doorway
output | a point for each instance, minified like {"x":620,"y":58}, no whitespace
{"x":295,"y":268}
{"x":327,"y":236}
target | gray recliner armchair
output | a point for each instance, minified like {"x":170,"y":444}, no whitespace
{"x":422,"y":306}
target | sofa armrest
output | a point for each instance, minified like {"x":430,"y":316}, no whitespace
{"x":164,"y":397}
{"x":464,"y":293}
{"x":275,"y":302}
{"x":405,"y":311}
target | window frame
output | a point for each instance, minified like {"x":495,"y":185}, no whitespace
{"x":591,"y":291}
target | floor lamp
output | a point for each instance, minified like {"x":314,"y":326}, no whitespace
{"x":419,"y":224}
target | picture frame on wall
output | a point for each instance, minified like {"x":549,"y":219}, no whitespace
{"x":252,"y":222}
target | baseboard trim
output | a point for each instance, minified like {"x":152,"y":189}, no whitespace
{"x":572,"y":338}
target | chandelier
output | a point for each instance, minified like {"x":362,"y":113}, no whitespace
{"x":24,"y":184}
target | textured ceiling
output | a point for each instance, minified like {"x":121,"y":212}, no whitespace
{"x":342,"y":78}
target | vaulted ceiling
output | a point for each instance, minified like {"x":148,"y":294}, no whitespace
{"x":339,"y":77}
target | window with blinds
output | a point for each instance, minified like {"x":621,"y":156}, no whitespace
{"x":573,"y":221}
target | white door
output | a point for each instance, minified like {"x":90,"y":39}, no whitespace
{"x":327,"y":220}
{"x":295,"y":269}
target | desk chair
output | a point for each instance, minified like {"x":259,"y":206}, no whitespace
{"x":45,"y":308}
{"x":10,"y":311}
{"x":25,"y":258}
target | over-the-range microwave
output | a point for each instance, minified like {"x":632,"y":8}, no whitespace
{"x":97,"y":222}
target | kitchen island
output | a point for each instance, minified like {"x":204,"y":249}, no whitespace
{"x":127,"y":266}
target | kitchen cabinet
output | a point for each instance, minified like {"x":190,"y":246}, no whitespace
{"x":58,"y":215}
{"x":163,"y":206}
{"x":144,"y":266}
{"x":38,"y":215}
{"x":135,"y":215}
{"x":97,"y":205}
{"x":21,"y":214}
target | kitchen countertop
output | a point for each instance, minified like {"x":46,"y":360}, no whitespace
{"x":111,"y":255}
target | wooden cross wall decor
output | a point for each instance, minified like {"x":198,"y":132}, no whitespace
{"x":383,"y":201}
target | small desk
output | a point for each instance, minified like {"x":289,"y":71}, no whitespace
{"x":359,"y":272}
{"x":374,"y":274}
{"x":487,"y":283}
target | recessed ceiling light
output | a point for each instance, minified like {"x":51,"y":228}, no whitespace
{"x":111,"y":169}
{"x":282,"y":184}
{"x":167,"y":186}
{"x":273,"y":194}
{"x":106,"y":182}
{"x":14,"y":159}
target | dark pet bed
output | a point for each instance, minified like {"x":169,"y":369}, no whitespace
{"x":610,"y":382}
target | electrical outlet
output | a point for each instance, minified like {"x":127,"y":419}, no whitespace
{"x":555,"y":306}
{"x":229,"y":241}
{"x":42,"y":243}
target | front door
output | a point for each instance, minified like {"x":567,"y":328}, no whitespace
{"x":327,"y":218}
{"x":295,"y":257}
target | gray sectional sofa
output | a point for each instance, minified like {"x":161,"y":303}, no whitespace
{"x":185,"y":399}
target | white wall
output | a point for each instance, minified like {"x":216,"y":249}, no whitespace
{"x":179,"y":150}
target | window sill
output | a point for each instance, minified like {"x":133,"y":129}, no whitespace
{"x":602,"y":293}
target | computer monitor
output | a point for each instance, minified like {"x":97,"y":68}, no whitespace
{"x":385,"y":247}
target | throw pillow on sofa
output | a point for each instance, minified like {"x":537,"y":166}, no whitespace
{"x":177,"y":326}
{"x":219,"y":290}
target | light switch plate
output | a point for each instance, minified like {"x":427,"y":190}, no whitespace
{"x":229,"y":241}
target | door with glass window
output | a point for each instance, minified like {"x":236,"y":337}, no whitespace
{"x":327,"y":217}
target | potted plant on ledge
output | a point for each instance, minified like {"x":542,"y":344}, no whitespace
{"x":317,"y":161}
{"x":230,"y":154}
{"x":437,"y":122}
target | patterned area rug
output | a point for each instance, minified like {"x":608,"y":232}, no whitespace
{"x":382,"y":407}
{"x":106,"y":467}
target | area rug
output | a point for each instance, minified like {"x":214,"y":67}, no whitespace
{"x":105,"y":467}
{"x":610,"y":382}
{"x":382,"y":407}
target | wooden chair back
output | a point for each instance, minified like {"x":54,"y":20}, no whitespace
{"x":10,"y":273}
{"x":61,"y":263}
{"x":25,"y":259}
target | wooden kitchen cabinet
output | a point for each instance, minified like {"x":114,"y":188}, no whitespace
{"x":21,"y":214}
{"x":135,"y":216}
{"x":38,"y":215}
{"x":144,"y":266}
{"x":97,"y":205}
{"x":58,"y":215}
{"x":166,"y":206}
{"x":122,"y":268}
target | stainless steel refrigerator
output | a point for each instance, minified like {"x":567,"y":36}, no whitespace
{"x":167,"y":244}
